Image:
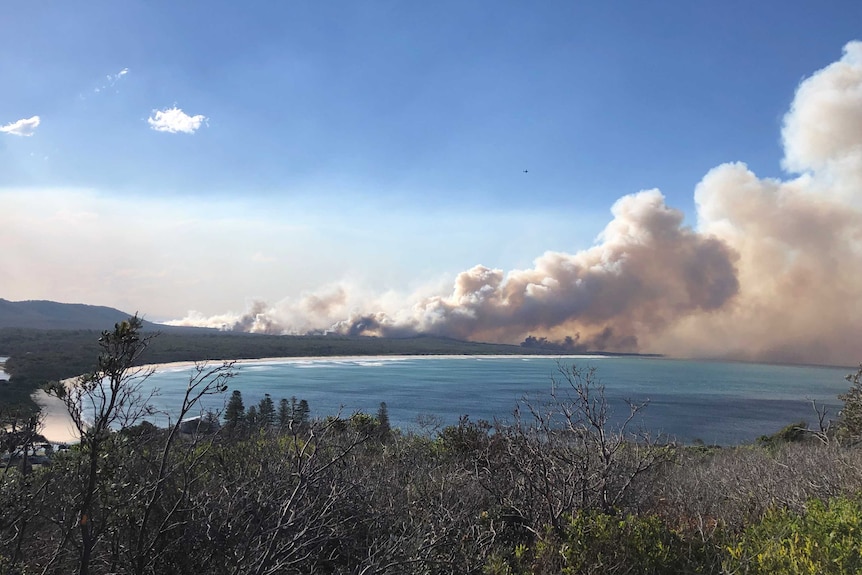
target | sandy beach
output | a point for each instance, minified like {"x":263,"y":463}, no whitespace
{"x":57,"y":426}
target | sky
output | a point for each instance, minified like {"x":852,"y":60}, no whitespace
{"x":675,"y":177}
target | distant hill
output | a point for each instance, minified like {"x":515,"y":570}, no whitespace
{"x":41,"y":314}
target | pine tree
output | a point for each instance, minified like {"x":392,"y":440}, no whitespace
{"x":266,"y":411}
{"x":383,"y":419}
{"x":294,"y":409}
{"x":285,"y":415}
{"x":303,"y":412}
{"x":251,"y":416}
{"x":235,"y":410}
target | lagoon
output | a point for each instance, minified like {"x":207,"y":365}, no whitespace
{"x":715,"y":402}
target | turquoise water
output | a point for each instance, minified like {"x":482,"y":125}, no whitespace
{"x":716,"y":402}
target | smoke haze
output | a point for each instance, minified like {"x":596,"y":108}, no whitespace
{"x":771,"y":272}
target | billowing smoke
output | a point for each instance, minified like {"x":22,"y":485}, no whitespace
{"x":799,"y":241}
{"x":315,"y":313}
{"x":773,"y":270}
{"x":648,"y":271}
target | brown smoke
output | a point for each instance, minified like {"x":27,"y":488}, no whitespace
{"x":773,"y":270}
{"x":648,"y":271}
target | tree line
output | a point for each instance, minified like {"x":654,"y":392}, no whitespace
{"x":290,"y":412}
{"x":557,"y":490}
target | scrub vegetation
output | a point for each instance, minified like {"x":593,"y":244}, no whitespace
{"x":269,"y":488}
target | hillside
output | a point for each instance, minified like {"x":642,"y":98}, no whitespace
{"x":41,"y":314}
{"x":46,"y":341}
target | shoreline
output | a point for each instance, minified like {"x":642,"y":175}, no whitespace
{"x":57,"y":425}
{"x":322,"y":358}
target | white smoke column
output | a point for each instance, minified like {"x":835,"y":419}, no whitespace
{"x":822,"y":133}
{"x":647,"y":271}
{"x":312,"y":313}
{"x":258,"y":318}
{"x":800,"y":241}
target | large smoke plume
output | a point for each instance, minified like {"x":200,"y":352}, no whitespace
{"x":773,"y":270}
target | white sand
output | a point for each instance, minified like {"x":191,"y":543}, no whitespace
{"x":57,"y":426}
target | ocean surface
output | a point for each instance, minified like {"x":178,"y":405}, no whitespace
{"x":714,"y":402}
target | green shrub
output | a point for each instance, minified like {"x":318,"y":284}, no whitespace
{"x":824,"y":539}
{"x":465,"y":438}
{"x":594,"y":543}
{"x":850,"y":422}
{"x":792,"y":433}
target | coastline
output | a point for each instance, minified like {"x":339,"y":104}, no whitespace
{"x":324,"y":358}
{"x":57,"y":425}
{"x":678,"y":386}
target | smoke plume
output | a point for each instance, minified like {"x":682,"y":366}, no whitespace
{"x":772,"y":271}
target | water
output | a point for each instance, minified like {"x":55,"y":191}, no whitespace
{"x":3,"y":374}
{"x":716,"y":402}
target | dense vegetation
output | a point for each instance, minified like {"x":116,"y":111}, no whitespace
{"x":557,"y":491}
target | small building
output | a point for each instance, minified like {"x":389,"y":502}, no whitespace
{"x":199,"y":424}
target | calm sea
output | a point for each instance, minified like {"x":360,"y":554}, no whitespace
{"x":716,"y":402}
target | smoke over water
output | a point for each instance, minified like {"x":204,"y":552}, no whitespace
{"x":772,"y":272}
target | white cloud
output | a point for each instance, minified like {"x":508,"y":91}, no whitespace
{"x":110,"y":81}
{"x":23,"y":127}
{"x":174,"y":120}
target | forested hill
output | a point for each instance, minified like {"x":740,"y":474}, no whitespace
{"x":37,"y":356}
{"x":41,"y":314}
{"x":47,"y":341}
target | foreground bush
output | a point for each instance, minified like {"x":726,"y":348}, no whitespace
{"x":594,"y":543}
{"x":824,"y":539}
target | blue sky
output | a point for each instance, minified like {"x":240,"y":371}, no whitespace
{"x":419,"y":104}
{"x":380,"y":144}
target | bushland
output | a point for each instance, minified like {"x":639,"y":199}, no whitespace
{"x":557,"y":489}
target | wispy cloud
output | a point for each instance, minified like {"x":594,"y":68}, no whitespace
{"x":173,"y":120}
{"x":111,"y":80}
{"x":23,"y":127}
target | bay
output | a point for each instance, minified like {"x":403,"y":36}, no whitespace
{"x":715,"y":402}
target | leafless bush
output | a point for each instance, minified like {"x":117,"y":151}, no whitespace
{"x":564,"y":454}
{"x":732,"y":487}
